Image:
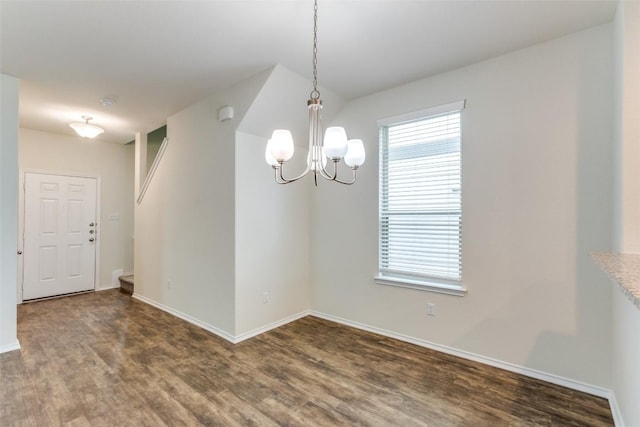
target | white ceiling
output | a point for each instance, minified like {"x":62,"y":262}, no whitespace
{"x":157,"y":57}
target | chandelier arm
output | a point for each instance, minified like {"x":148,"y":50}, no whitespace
{"x":325,"y":173}
{"x":280,"y":179}
{"x":353,"y":179}
{"x":334,"y":176}
{"x":276,"y":174}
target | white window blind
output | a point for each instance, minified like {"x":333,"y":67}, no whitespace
{"x":420,"y":199}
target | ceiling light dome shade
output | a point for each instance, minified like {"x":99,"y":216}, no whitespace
{"x":355,"y":153}
{"x":281,"y":145}
{"x":335,"y":142}
{"x":267,"y":155}
{"x":85,"y":129}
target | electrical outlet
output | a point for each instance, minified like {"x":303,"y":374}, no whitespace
{"x":431,"y":309}
{"x":265,"y":297}
{"x":169,"y":284}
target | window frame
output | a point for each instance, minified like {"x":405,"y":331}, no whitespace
{"x":424,"y":283}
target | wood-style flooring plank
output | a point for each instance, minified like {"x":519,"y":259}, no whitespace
{"x":104,"y":359}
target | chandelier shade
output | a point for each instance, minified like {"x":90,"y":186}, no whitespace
{"x":281,"y":145}
{"x":355,"y":154}
{"x":335,"y":142}
{"x":267,"y":155}
{"x":334,"y":146}
{"x":86,"y":130}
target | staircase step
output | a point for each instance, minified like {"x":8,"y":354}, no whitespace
{"x":126,"y":284}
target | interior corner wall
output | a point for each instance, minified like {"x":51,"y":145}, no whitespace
{"x":537,"y":179}
{"x":272,"y":241}
{"x":185,"y":225}
{"x":628,"y":125}
{"x":626,"y":354}
{"x":113,"y":163}
{"x":273,"y":221}
{"x":282,"y":104}
{"x":626,"y":316}
{"x":9,"y":91}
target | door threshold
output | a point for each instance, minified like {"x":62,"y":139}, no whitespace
{"x":58,"y":296}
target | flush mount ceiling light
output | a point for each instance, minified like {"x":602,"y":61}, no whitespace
{"x":85,"y":129}
{"x":335,"y":145}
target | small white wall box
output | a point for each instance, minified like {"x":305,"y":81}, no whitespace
{"x":225,"y":113}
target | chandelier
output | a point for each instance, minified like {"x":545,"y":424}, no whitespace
{"x":86,"y":129}
{"x":334,"y":146}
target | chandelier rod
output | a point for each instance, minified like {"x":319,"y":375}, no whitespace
{"x":315,"y":93}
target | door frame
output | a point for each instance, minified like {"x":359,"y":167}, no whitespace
{"x":21,"y":213}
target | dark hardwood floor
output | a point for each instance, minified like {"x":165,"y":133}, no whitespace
{"x":104,"y":359}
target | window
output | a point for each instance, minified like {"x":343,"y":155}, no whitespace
{"x":421,"y":200}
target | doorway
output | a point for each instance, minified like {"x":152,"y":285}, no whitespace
{"x":60,"y":234}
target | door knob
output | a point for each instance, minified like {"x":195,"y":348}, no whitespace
{"x":91,"y":231}
{"x":91,"y":225}
{"x":91,"y":239}
{"x":19,"y":252}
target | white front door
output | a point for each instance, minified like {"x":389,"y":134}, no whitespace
{"x":59,"y":235}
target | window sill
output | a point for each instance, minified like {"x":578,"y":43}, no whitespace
{"x":440,"y":288}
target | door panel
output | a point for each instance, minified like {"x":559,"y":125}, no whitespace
{"x":75,"y":216}
{"x":48,"y":216}
{"x":60,"y":212}
{"x":48,"y":262}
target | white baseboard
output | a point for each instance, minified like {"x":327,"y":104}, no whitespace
{"x":219,"y":332}
{"x":186,"y":317}
{"x":107,"y":287}
{"x":615,"y":410}
{"x":533,"y":373}
{"x":270,"y":326}
{"x":551,"y":378}
{"x":10,"y":347}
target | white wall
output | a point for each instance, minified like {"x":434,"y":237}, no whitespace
{"x":272,"y":221}
{"x":626,"y":317}
{"x":185,"y":225}
{"x":537,"y":168}
{"x":626,"y":354}
{"x":272,"y":240}
{"x":215,"y":223}
{"x":9,"y":89}
{"x":628,"y":125}
{"x":113,"y":163}
{"x":282,"y":104}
